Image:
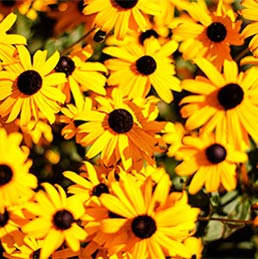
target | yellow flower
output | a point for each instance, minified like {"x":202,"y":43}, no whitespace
{"x":223,"y":101}
{"x":24,"y":247}
{"x":121,"y":14}
{"x":120,"y":132}
{"x":11,"y":220}
{"x":30,"y":89}
{"x":81,"y":76}
{"x":143,"y":66}
{"x":55,"y":221}
{"x":207,"y":34}
{"x":87,"y":184}
{"x":148,"y":223}
{"x":16,"y":183}
{"x":211,"y":162}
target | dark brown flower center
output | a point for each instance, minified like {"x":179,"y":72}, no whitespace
{"x":216,"y":32}
{"x":216,"y":153}
{"x":99,"y":189}
{"x":4,"y":217}
{"x":147,"y":34}
{"x":125,"y":4}
{"x":35,"y":254}
{"x":6,"y":174}
{"x":146,"y":65}
{"x":230,"y":96}
{"x":143,"y":226}
{"x":29,"y":82}
{"x":63,"y":219}
{"x":99,"y":36}
{"x":8,"y":3}
{"x":120,"y":120}
{"x":65,"y":65}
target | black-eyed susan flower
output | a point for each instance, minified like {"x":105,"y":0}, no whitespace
{"x":11,"y":220}
{"x":29,"y":89}
{"x":208,"y":34}
{"x":16,"y":183}
{"x":150,"y":223}
{"x":121,"y":14}
{"x":24,"y":246}
{"x":87,"y":184}
{"x":223,"y":101}
{"x":81,"y":75}
{"x":70,"y":112}
{"x":250,"y":12}
{"x":211,"y":162}
{"x":56,"y":220}
{"x":5,"y":26}
{"x":142,"y":67}
{"x":119,"y":132}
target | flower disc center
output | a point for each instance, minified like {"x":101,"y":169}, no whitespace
{"x":125,"y":4}
{"x":146,"y":65}
{"x":147,"y":34}
{"x":63,"y":219}
{"x":6,"y":174}
{"x":29,"y":82}
{"x":216,"y":32}
{"x":99,"y":189}
{"x":230,"y":96}
{"x":65,"y":65}
{"x":143,"y":226}
{"x":120,"y":120}
{"x":216,"y":153}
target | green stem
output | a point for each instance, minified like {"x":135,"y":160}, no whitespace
{"x":66,"y":50}
{"x":224,"y":220}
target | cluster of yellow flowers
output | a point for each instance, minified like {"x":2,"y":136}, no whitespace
{"x":169,"y":84}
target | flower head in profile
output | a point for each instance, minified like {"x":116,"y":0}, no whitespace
{"x":121,"y":14}
{"x":81,"y":75}
{"x":16,"y":183}
{"x":208,"y":34}
{"x":224,"y":101}
{"x":56,"y":219}
{"x":212,"y":163}
{"x":29,"y":89}
{"x":120,"y":132}
{"x":142,"y":67}
{"x":148,"y":222}
{"x":87,"y":184}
